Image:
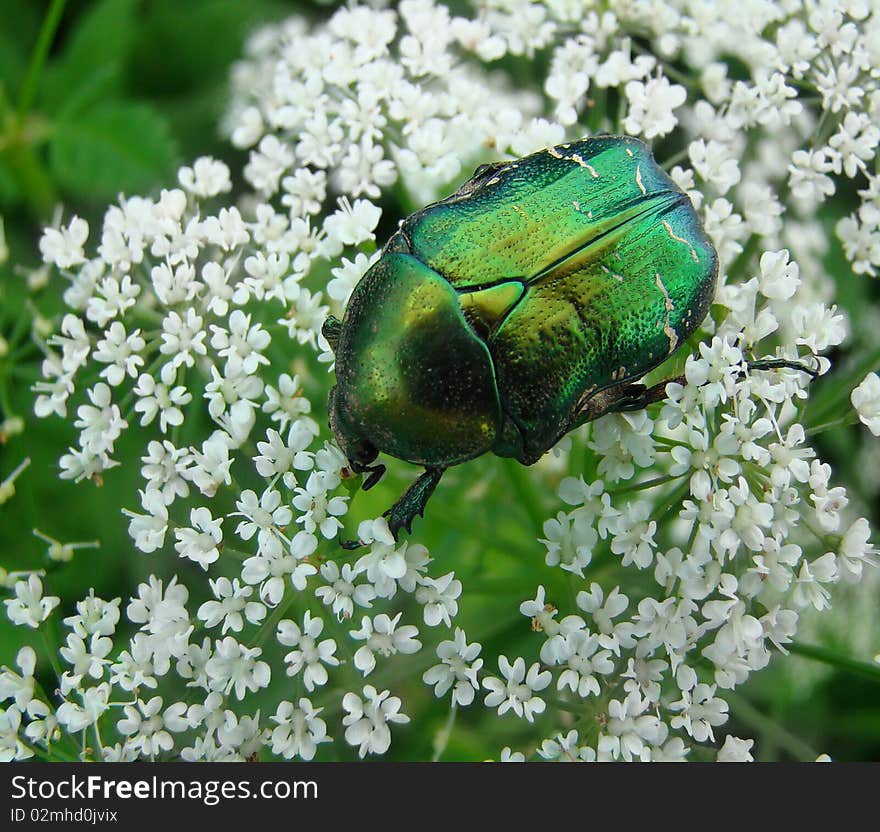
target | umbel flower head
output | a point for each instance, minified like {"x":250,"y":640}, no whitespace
{"x":670,"y":553}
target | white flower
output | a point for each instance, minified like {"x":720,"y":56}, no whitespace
{"x":583,"y":660}
{"x":64,"y":246}
{"x":87,"y":660}
{"x":714,"y":164}
{"x":367,"y":720}
{"x":154,"y":398}
{"x":439,"y":597}
{"x":165,"y":470}
{"x":866,"y":400}
{"x":352,"y":224}
{"x":340,"y":592}
{"x":565,"y":748}
{"x":231,"y":607}
{"x":319,"y":512}
{"x":200,"y":543}
{"x":457,"y":671}
{"x":29,"y":607}
{"x":148,"y":726}
{"x":570,"y":541}
{"x":161,"y":611}
{"x":299,"y":730}
{"x":20,"y":688}
{"x":140,"y":665}
{"x":856,"y":550}
{"x":310,"y":653}
{"x":235,"y":666}
{"x":517,"y":690}
{"x":206,"y":178}
{"x":76,"y":717}
{"x":735,"y":750}
{"x":651,"y":106}
{"x":630,"y":730}
{"x":101,"y":422}
{"x":779,"y":277}
{"x":148,"y":530}
{"x":382,"y":636}
{"x":634,"y":535}
{"x":263,"y":517}
{"x":242,"y":345}
{"x":700,"y":711}
{"x":286,"y":404}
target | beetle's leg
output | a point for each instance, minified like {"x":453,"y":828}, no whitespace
{"x":782,"y":363}
{"x":330,"y":330}
{"x":618,"y":399}
{"x":637,"y":397}
{"x":374,"y":474}
{"x":412,"y":502}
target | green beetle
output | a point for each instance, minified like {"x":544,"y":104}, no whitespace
{"x":515,"y":310}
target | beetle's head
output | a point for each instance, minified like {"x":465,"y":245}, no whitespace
{"x":359,"y":451}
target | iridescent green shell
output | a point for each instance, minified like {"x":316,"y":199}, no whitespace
{"x":493,"y":316}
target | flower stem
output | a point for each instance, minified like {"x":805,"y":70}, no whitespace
{"x":835,"y":659}
{"x":850,"y":418}
{"x":445,"y":734}
{"x":645,"y":484}
{"x":524,"y":492}
{"x":772,"y":730}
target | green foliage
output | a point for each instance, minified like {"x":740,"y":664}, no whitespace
{"x":125,"y":91}
{"x":107,"y":97}
{"x":111,"y":148}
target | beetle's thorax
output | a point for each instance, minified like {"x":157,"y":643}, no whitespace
{"x":413,"y":378}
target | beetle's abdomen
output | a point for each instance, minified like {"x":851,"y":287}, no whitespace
{"x":414,"y":378}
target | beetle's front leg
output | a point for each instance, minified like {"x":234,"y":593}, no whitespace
{"x":413,"y":501}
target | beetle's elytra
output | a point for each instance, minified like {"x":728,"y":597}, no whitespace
{"x":516,"y":309}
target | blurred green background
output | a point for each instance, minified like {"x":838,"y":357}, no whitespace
{"x":129,"y":90}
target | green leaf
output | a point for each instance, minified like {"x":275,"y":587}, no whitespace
{"x":8,"y":187}
{"x":18,"y":31}
{"x":113,"y":148}
{"x":197,"y":41}
{"x":92,"y":61}
{"x":105,"y":33}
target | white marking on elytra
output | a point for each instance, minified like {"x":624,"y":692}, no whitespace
{"x":639,"y":179}
{"x":494,"y":181}
{"x":688,"y":243}
{"x":617,"y":277}
{"x":579,"y":161}
{"x":516,"y":209}
{"x":628,"y":152}
{"x":577,"y":205}
{"x":554,"y":153}
{"x":670,"y":333}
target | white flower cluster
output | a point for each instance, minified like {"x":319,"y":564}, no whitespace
{"x":691,"y":541}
